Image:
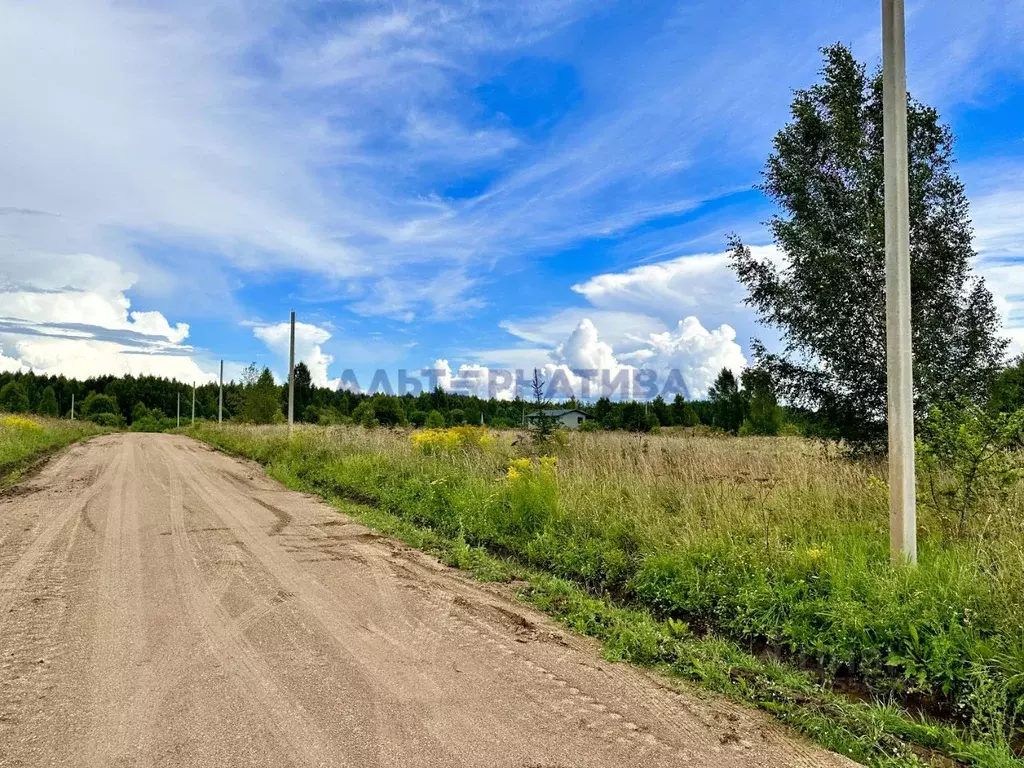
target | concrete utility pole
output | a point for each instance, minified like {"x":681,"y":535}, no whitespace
{"x":193,"y":403}
{"x":291,"y":376}
{"x":72,"y":406}
{"x":220,"y":397}
{"x":902,"y":500}
{"x":178,"y":416}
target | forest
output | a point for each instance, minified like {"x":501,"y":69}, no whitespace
{"x":256,"y":398}
{"x":738,"y":405}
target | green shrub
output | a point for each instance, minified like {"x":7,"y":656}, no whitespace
{"x":365,"y":415}
{"x":13,"y":398}
{"x":153,"y":423}
{"x":96,"y":404}
{"x":969,"y":457}
{"x":114,"y":420}
{"x":48,"y":403}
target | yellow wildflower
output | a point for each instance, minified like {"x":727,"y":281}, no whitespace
{"x":19,"y":422}
{"x":454,"y":438}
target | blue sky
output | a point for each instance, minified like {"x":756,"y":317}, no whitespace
{"x":486,"y":184}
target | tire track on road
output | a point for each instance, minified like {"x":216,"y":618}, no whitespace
{"x":212,"y":619}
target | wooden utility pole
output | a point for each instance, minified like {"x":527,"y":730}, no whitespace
{"x":291,"y":375}
{"x":220,"y":397}
{"x":899,"y":361}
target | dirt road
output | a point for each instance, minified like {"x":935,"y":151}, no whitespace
{"x":162,"y":604}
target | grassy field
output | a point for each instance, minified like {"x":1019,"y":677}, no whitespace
{"x":757,"y":566}
{"x":24,"y":438}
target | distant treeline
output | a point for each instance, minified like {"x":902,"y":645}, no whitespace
{"x":744,"y":405}
{"x":129,"y":400}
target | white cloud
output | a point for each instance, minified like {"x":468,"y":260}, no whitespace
{"x":308,"y":341}
{"x":155,"y":324}
{"x":621,"y":329}
{"x":697,"y":353}
{"x":70,"y":315}
{"x":641,"y":306}
{"x":10,"y":364}
{"x":997,"y":221}
{"x":583,"y":349}
{"x":702,"y":284}
{"x":147,"y":108}
{"x":1006,"y":281}
{"x":689,"y":349}
{"x":240,"y":132}
{"x":997,"y":200}
{"x":559,"y":380}
{"x":443,"y":293}
{"x":249,"y":140}
{"x":472,"y":379}
{"x":84,"y":358}
{"x":590,"y":367}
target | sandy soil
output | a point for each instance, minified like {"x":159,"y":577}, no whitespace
{"x":164,"y":605}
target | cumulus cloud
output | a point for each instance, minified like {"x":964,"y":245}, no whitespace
{"x":633,"y":327}
{"x":560,"y":382}
{"x":688,"y":353}
{"x":84,"y":358}
{"x":584,"y":349}
{"x":588,"y":365}
{"x":684,"y":359}
{"x":701,"y":284}
{"x":697,"y":353}
{"x":10,"y":364}
{"x":471,"y":379}
{"x":308,"y":350}
{"x":619,"y":328}
{"x":69,"y":314}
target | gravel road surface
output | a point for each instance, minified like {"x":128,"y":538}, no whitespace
{"x":162,"y":604}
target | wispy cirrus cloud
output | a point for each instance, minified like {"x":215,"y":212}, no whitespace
{"x":202,"y":147}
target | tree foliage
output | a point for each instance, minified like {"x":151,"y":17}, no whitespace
{"x":1007,"y":393}
{"x":763,"y":414}
{"x":261,"y":398}
{"x":97,"y":404}
{"x":365,"y":415}
{"x":388,"y":410}
{"x":683,"y":413}
{"x":542,"y":422}
{"x":728,"y":402}
{"x":303,"y":382}
{"x":48,"y":403}
{"x":14,"y":398}
{"x":969,"y":456}
{"x":828,"y":296}
{"x":326,"y":406}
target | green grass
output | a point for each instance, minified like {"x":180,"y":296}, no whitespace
{"x":23,"y":439}
{"x":711,"y":557}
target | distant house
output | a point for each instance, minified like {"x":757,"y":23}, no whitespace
{"x":570,"y":418}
